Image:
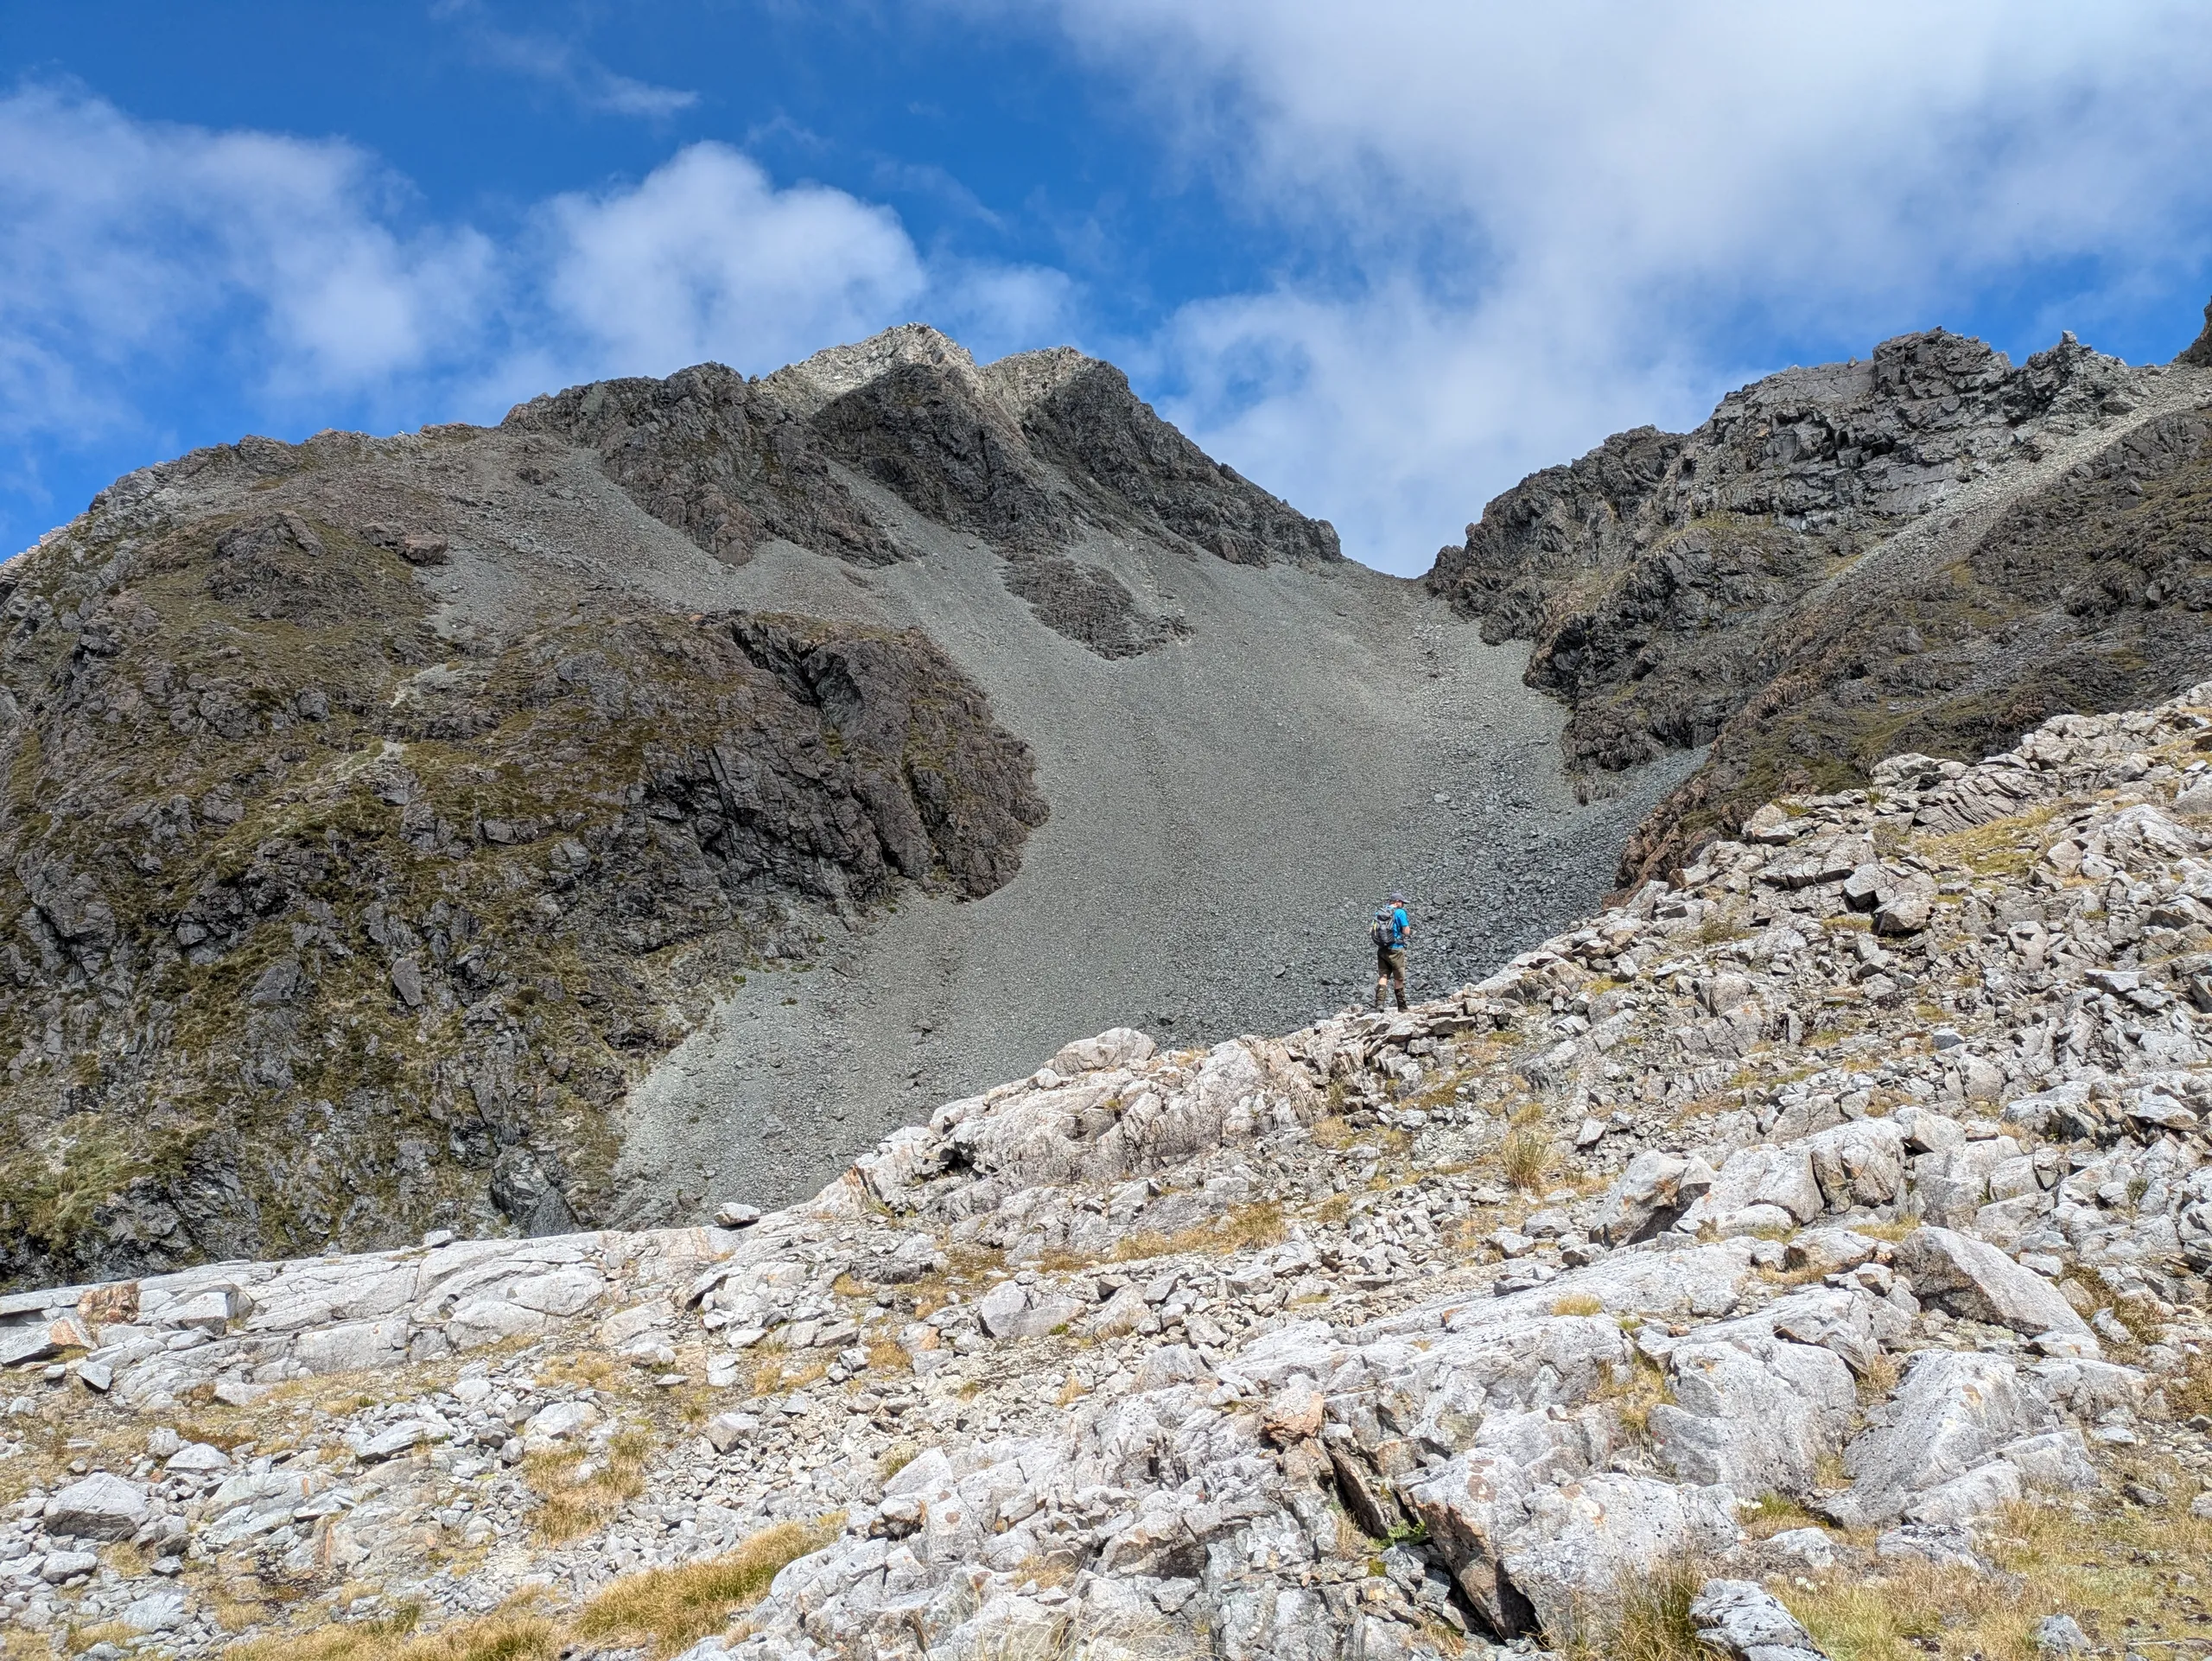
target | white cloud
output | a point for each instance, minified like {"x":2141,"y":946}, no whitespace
{"x":566,"y":66}
{"x":301,"y":279}
{"x":707,"y":258}
{"x":127,"y":242}
{"x":1519,"y":228}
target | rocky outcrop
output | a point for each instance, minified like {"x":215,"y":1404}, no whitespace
{"x":306,"y":880}
{"x":2198,"y":353}
{"x":1029,"y":454}
{"x":1290,"y":1346}
{"x":1932,"y":549}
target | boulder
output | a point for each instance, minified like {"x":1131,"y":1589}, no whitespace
{"x":1467,"y":1507}
{"x":1906,"y":908}
{"x":1584,"y":1539}
{"x":1829,"y":1250}
{"x":728,"y":1430}
{"x":58,"y":1567}
{"x":157,"y":1612}
{"x":1756,"y":1415}
{"x":1860,"y":1163}
{"x":1759,"y":1187}
{"x":1744,"y":1620}
{"x":197,"y":1458}
{"x":1011,"y":1311}
{"x":101,"y":1506}
{"x":1974,"y":1279}
{"x":1651,"y":1193}
{"x":1949,"y":1418}
{"x":1117,"y":1047}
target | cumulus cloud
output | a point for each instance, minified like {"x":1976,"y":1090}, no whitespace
{"x":144,"y":263}
{"x":1515,"y":228}
{"x":707,"y":258}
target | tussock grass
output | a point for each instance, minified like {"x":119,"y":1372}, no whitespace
{"x":1578,"y":1303}
{"x":2007,"y":847}
{"x":1240,"y":1228}
{"x":1632,"y":1391}
{"x":519,"y":1631}
{"x":2116,"y":1569}
{"x":666,"y":1610}
{"x":1526,"y":1155}
{"x":1776,"y":1513}
{"x":2191,"y":1391}
{"x":1331,"y":1131}
{"x":777,"y":1371}
{"x":888,"y":1355}
{"x":1648,"y":1619}
{"x":1878,"y":1382}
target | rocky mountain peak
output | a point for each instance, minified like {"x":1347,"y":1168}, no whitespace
{"x":805,"y":387}
{"x":1782,"y":583}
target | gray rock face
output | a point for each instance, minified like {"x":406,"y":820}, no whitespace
{"x":1768,"y":582}
{"x":1945,"y":1430}
{"x":2198,"y":352}
{"x":1975,"y":1279}
{"x":2061,"y":1635}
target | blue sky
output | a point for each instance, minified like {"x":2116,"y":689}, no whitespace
{"x":1384,"y":258}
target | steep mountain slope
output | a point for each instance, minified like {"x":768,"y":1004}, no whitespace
{"x":1929,"y":550}
{"x":1827,"y":1238}
{"x":509,"y":827}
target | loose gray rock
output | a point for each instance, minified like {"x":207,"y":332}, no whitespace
{"x":1972,"y":1278}
{"x":2061,"y":1635}
{"x":1742,"y":1620}
{"x":101,"y":1506}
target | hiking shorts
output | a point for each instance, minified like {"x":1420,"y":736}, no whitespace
{"x":1390,"y":965}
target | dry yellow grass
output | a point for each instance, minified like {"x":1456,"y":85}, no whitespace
{"x":1578,"y":1303}
{"x":777,"y":1371}
{"x":1633,"y":1392}
{"x":521,"y":1631}
{"x":1776,"y":1513}
{"x":584,"y":1369}
{"x":1879,"y":1380}
{"x":1238,"y":1229}
{"x":660,"y":1611}
{"x":1647,"y":1619}
{"x":887,"y":1354}
{"x":2191,"y":1391}
{"x":582,"y":1492}
{"x":2119,"y":1570}
{"x":1331,"y":1131}
{"x":666,"y":1610}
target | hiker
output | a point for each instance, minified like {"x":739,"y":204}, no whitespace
{"x":1388,"y":933}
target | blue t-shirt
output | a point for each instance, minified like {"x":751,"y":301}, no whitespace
{"x":1399,"y":924}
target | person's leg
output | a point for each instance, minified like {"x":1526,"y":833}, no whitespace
{"x":1398,"y":976}
{"x":1382,"y":977}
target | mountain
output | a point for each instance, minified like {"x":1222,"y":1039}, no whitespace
{"x":1809,"y":1260}
{"x":665,"y":794}
{"x":687,"y":781}
{"x":1929,"y":550}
